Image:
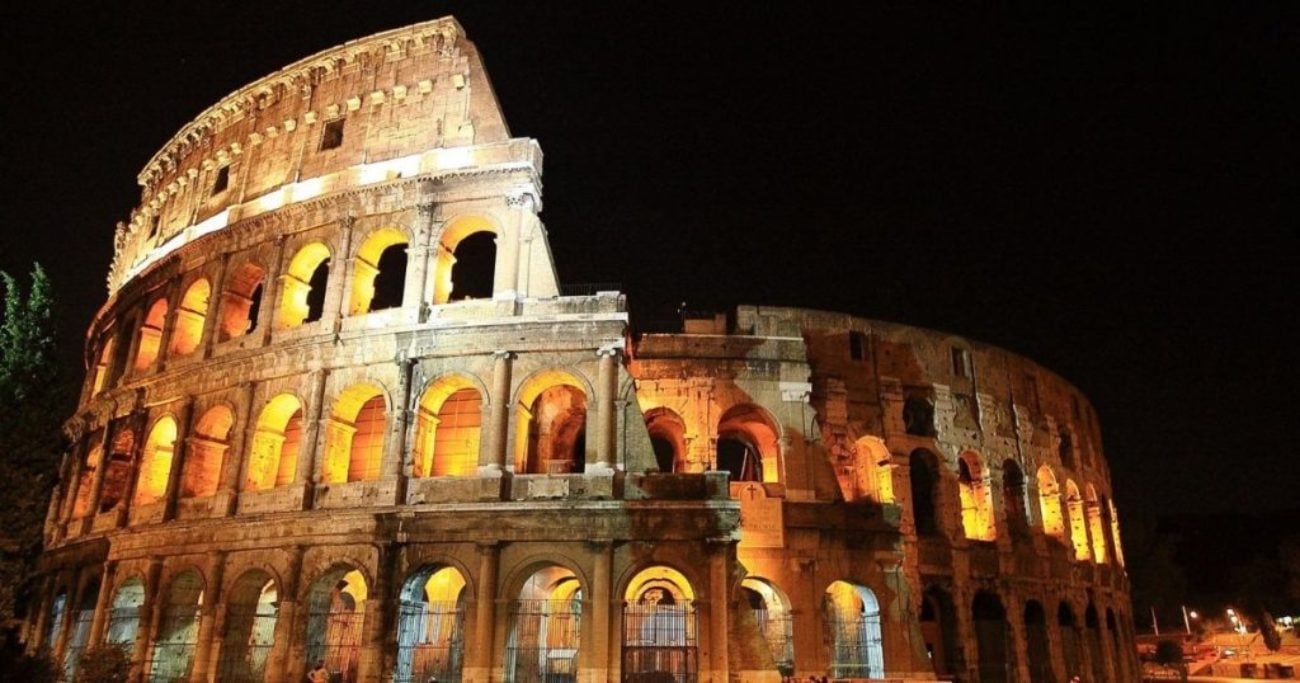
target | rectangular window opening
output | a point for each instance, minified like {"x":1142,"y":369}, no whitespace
{"x":857,"y":346}
{"x":222,"y":182}
{"x":332,"y":137}
{"x":961,"y":362}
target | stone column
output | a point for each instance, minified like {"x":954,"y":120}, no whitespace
{"x":69,"y":488}
{"x":139,"y":420}
{"x":99,"y":621}
{"x":603,"y":630}
{"x":479,"y":653}
{"x":606,"y":393}
{"x":281,"y":664}
{"x":719,"y":619}
{"x":1018,"y":647}
{"x":234,"y":468}
{"x":150,"y":615}
{"x":180,"y":451}
{"x":416,"y":293}
{"x":212,"y":319}
{"x":313,"y":427}
{"x":505,"y":280}
{"x":169,"y":325}
{"x":213,"y":600}
{"x":336,"y":294}
{"x":271,"y":293}
{"x":393,"y":463}
{"x":493,"y":457}
{"x":97,"y":484}
{"x":370,"y":665}
{"x":39,"y":627}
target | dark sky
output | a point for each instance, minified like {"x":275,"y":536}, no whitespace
{"x":1111,"y":193}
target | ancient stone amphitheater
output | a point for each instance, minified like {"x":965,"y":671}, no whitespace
{"x":339,"y":409}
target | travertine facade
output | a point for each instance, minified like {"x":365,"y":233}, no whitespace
{"x":339,"y":410}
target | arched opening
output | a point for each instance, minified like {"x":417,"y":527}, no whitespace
{"x":103,"y":365}
{"x":302,"y":298}
{"x":545,"y":624}
{"x":923,"y":473}
{"x":335,"y":617}
{"x":552,"y":412}
{"x":54,"y":625}
{"x":121,"y":344}
{"x":273,"y":458}
{"x":852,"y":616}
{"x":659,"y":627}
{"x":118,"y":472}
{"x":1069,"y":630}
{"x":667,"y":438}
{"x":156,"y":463}
{"x":207,"y":451}
{"x":1078,"y":524}
{"x":1096,"y":527}
{"x":379,"y":272}
{"x":251,"y":612}
{"x":1049,"y":503}
{"x":178,"y":630}
{"x":187,"y":330}
{"x":990,"y":620}
{"x":772,"y":612}
{"x":918,"y":416}
{"x":86,"y":478}
{"x":976,"y":505}
{"x":80,"y":634}
{"x":871,"y":477}
{"x":1114,"y":532}
{"x":465,"y":264}
{"x":241,"y":303}
{"x":1065,"y":448}
{"x":749,"y":444}
{"x":448,"y":429}
{"x":124,"y":615}
{"x":1039,"y":651}
{"x":150,"y":340}
{"x":1093,"y":629}
{"x":1013,"y":498}
{"x":430,"y":620}
{"x":939,"y":631}
{"x":1116,"y":646}
{"x":354,"y":440}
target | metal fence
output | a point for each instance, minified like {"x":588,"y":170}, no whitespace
{"x":335,"y":637}
{"x":429,"y":642}
{"x":659,"y":643}
{"x":173,"y":651}
{"x":777,"y":630}
{"x":250,"y":634}
{"x":77,"y":642}
{"x":855,"y":644}
{"x":544,"y":640}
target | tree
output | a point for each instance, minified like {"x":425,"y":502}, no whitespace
{"x":33,"y":400}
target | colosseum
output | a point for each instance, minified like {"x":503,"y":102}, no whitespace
{"x":340,"y":412}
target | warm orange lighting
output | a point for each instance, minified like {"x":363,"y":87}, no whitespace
{"x":552,"y":413}
{"x":273,"y":458}
{"x":355,"y":436}
{"x":1049,"y":503}
{"x":156,"y":463}
{"x":101,"y":366}
{"x":150,"y":339}
{"x":976,"y":500}
{"x":1078,"y":524}
{"x":455,"y":231}
{"x":365,"y":268}
{"x":664,"y":578}
{"x":295,"y":285}
{"x":187,"y":330}
{"x":1114,"y":533}
{"x":207,"y":451}
{"x":1095,"y":528}
{"x":448,"y":429}
{"x":86,"y":482}
{"x":754,"y":429}
{"x":243,"y":294}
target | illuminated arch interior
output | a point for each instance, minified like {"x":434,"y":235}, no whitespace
{"x":446,"y":277}
{"x":156,"y":462}
{"x":302,"y":286}
{"x":667,"y":437}
{"x":103,"y":365}
{"x":546,"y":624}
{"x":86,"y":480}
{"x":748,"y":444}
{"x":1049,"y":503}
{"x":178,"y":633}
{"x":551,"y":424}
{"x":1078,"y":524}
{"x":118,"y":472}
{"x":1114,"y":533}
{"x":772,"y":611}
{"x":872,"y":478}
{"x":448,"y":429}
{"x":379,"y":272}
{"x":429,"y":625}
{"x":976,"y":499}
{"x":187,"y":331}
{"x":124,"y":615}
{"x":1096,"y":527}
{"x":273,"y":457}
{"x":354,"y":441}
{"x":1013,"y":496}
{"x":207,"y":451}
{"x":852,"y":616}
{"x":241,"y":303}
{"x":251,"y":614}
{"x":335,"y":620}
{"x":150,"y":338}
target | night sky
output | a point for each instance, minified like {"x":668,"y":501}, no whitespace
{"x":1109,"y":193}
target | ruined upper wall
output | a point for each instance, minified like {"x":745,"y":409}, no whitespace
{"x":391,"y":105}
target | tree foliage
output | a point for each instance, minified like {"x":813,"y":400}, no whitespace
{"x":31,"y":443}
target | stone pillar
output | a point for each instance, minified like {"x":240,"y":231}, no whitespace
{"x":336,"y":294}
{"x":99,"y":621}
{"x":1018,"y":650}
{"x":479,"y":653}
{"x":234,"y":468}
{"x":505,"y":280}
{"x":393,"y":463}
{"x":416,"y":292}
{"x":150,"y":615}
{"x":169,"y":324}
{"x":313,"y":427}
{"x":606,"y":393}
{"x":139,"y":420}
{"x":603,"y":630}
{"x":180,"y":451}
{"x":39,"y":627}
{"x":97,"y":484}
{"x":213,"y":600}
{"x":212,"y":318}
{"x":719,"y":596}
{"x":281,"y":663}
{"x":271,"y":293}
{"x":375,"y":628}
{"x":493,"y":457}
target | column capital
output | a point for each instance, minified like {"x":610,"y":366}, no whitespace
{"x":502,"y":354}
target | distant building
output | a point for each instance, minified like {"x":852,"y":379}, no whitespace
{"x":339,"y":408}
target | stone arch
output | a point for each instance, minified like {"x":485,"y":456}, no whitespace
{"x":545,"y":624}
{"x":149,"y":339}
{"x":82,"y":616}
{"x":252,"y":611}
{"x":551,"y":419}
{"x":177,"y":633}
{"x":939,"y":631}
{"x":1078,"y":523}
{"x":124,"y":611}
{"x":1114,"y":532}
{"x":1096,"y":526}
{"x":1013,"y":498}
{"x":430,"y":624}
{"x":874,"y":471}
{"x":445,"y":274}
{"x":749,"y":444}
{"x":1038,"y":650}
{"x":354,"y":442}
{"x":976,"y":498}
{"x":241,"y":302}
{"x":335,"y":619}
{"x":277,"y":441}
{"x":117,"y":474}
{"x":448,"y":427}
{"x":207,"y":449}
{"x":58,"y":611}
{"x":156,"y":462}
{"x":103,"y":365}
{"x":923,"y":471}
{"x":774,"y":615}
{"x":992,"y":638}
{"x":302,"y":287}
{"x":1092,"y":629}
{"x":667,"y":438}
{"x":853,"y":631}
{"x":659,"y":625}
{"x":379,"y":271}
{"x":191,"y":314}
{"x":1069,"y":629}
{"x":93,"y":460}
{"x":1049,"y":503}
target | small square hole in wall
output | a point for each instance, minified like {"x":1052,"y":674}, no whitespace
{"x":332,"y":136}
{"x":153,"y":225}
{"x":961,"y":362}
{"x":857,"y":346}
{"x":222,"y":181}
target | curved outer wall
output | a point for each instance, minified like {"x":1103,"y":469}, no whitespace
{"x":295,"y":425}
